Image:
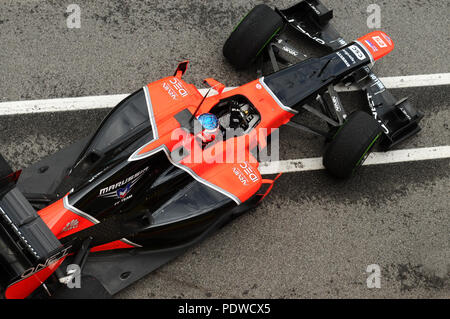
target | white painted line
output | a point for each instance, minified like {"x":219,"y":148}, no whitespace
{"x":108,"y":101}
{"x":375,"y":158}
{"x":395,"y":82}
{"x":408,"y":81}
{"x":61,"y":105}
{"x":69,"y":104}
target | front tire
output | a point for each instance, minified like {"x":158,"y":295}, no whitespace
{"x":351,"y":144}
{"x":252,"y":35}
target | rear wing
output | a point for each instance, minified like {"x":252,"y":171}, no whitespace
{"x":26,"y":243}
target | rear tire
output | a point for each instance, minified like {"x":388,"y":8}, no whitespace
{"x":252,"y":35}
{"x":351,"y":144}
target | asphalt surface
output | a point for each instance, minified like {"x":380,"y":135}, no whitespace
{"x":313,"y":237}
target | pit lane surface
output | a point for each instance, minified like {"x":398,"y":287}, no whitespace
{"x":313,"y":236}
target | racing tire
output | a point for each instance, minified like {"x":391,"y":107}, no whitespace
{"x":252,"y":35}
{"x":351,"y":144}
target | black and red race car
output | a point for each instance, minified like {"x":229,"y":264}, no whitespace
{"x":168,"y":165}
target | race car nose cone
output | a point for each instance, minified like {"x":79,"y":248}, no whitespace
{"x":377,"y":43}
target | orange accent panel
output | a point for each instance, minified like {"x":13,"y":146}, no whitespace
{"x":62,"y":222}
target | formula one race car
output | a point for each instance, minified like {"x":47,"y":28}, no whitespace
{"x":168,"y":165}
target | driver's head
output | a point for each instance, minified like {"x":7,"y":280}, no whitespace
{"x":210,"y":126}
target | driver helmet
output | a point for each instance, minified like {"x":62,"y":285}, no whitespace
{"x":210,"y":127}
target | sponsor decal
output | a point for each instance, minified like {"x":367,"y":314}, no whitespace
{"x":377,"y":82}
{"x":290,"y":51}
{"x":373,"y":109}
{"x":121,"y":189}
{"x":51,"y":260}
{"x":342,"y":41}
{"x":352,"y":59}
{"x":339,"y":54}
{"x":357,"y":51}
{"x":123,"y":192}
{"x":71,"y":225}
{"x":319,"y":40}
{"x":245,"y":173}
{"x":380,"y":42}
{"x":404,"y":112}
{"x":387,"y":38}
{"x":241,"y":176}
{"x":380,"y":86}
{"x":178,"y":86}
{"x":372,"y":46}
{"x":336,"y":104}
{"x":314,"y":8}
{"x":171,"y":92}
{"x":96,"y":175}
{"x":175,"y":88}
